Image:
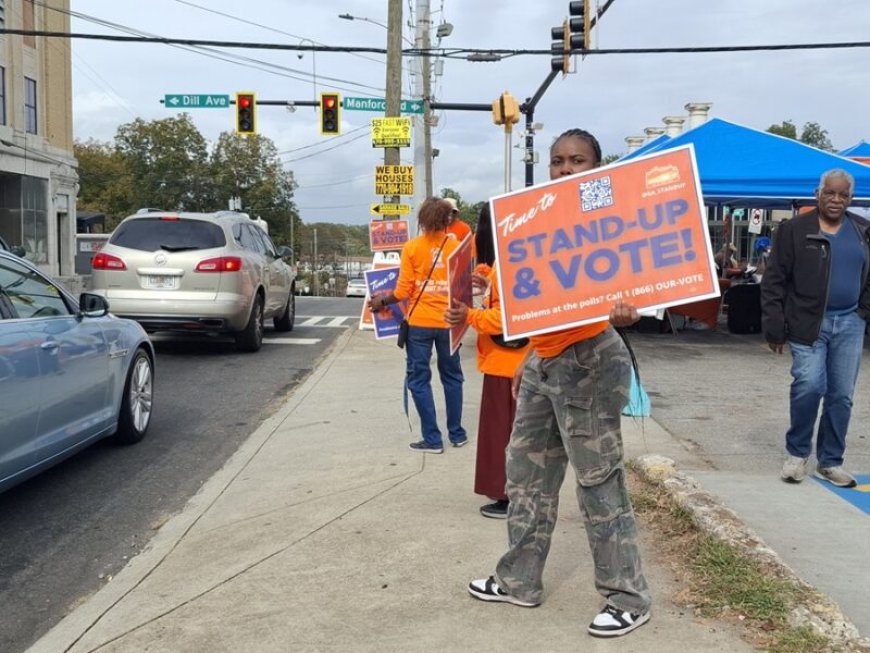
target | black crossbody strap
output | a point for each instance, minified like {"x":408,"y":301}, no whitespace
{"x":428,"y":276}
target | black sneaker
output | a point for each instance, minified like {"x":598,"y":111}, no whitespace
{"x":613,"y":622}
{"x":486,"y":589}
{"x":497,"y":510}
{"x":460,"y":443}
{"x":423,"y":447}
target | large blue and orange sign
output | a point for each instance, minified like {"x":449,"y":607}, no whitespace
{"x":569,"y":249}
{"x":385,"y":235}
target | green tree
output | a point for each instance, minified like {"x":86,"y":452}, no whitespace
{"x":249,"y":167}
{"x":168,"y":160}
{"x":104,"y":182}
{"x":813,"y":134}
{"x":786,"y":129}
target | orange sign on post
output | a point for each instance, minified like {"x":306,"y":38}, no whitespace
{"x":385,"y":235}
{"x":569,"y":249}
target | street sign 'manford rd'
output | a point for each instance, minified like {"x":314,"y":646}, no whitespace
{"x":380,"y":105}
{"x":197,"y":101}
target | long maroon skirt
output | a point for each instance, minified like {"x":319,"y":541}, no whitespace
{"x":497,"y":410}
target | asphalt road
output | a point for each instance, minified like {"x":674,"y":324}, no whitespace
{"x":65,"y":532}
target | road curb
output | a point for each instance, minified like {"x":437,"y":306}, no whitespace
{"x":716,"y":520}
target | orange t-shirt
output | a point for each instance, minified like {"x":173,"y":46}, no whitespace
{"x":553,"y":344}
{"x":459,"y":230}
{"x":491,"y":358}
{"x":418,"y":255}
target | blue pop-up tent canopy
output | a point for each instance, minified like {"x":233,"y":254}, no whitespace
{"x":859,"y":149}
{"x":752,"y":168}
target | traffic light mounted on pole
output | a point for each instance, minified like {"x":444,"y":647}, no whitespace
{"x":573,"y":34}
{"x":506,"y":110}
{"x":330,"y":117}
{"x":246,"y":109}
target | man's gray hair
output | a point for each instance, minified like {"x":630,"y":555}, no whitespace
{"x":837,"y":172}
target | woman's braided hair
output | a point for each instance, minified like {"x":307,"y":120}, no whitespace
{"x":586,"y":136}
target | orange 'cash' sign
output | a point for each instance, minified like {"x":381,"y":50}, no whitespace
{"x":569,"y":249}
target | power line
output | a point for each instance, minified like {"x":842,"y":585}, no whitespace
{"x":263,"y":66}
{"x":321,"y":142}
{"x":430,"y":52}
{"x":308,"y":156}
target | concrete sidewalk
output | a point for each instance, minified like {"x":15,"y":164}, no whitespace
{"x":325,"y":533}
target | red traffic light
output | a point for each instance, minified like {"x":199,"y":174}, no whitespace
{"x":328,"y":102}
{"x":244,"y":101}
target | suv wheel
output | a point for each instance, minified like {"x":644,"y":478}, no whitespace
{"x":251,"y":337}
{"x":285,"y":322}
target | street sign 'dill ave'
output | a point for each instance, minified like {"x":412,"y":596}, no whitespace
{"x":394,"y":180}
{"x":390,"y":209}
{"x":391,"y":132}
{"x":197,"y":101}
{"x":379,"y":105}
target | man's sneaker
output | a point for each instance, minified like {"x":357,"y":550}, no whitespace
{"x":836,"y":476}
{"x":486,"y":589}
{"x":423,"y":447}
{"x":613,"y":622}
{"x":794,"y":470}
{"x":460,"y":443}
{"x":497,"y":510}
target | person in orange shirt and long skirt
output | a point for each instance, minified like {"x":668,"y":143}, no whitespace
{"x":498,"y":361}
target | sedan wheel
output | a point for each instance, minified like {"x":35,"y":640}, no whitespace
{"x":136,"y":402}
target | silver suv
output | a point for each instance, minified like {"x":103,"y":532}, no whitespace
{"x":197,"y":272}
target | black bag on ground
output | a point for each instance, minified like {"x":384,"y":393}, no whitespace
{"x":744,"y":308}
{"x":403,"y":334}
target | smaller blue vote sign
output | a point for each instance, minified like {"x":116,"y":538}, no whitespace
{"x":383,"y":282}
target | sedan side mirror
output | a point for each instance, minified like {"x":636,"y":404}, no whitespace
{"x":285,"y":252}
{"x":91,"y":305}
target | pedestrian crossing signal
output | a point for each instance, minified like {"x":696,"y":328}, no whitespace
{"x":246,"y":107}
{"x":330,"y":123}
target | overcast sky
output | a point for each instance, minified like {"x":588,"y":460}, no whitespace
{"x":613,"y":96}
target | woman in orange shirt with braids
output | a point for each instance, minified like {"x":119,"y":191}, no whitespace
{"x":423,"y":282}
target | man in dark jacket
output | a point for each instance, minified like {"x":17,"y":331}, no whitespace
{"x":815,"y":295}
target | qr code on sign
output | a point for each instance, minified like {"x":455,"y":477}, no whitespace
{"x":596,"y":194}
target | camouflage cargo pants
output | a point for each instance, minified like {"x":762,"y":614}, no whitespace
{"x":569,"y":410}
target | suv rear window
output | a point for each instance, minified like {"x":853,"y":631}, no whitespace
{"x":151,"y":234}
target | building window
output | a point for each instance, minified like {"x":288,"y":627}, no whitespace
{"x":29,"y":22}
{"x":2,"y":94}
{"x":30,"y":105}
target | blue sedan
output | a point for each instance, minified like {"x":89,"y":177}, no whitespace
{"x":70,"y":373}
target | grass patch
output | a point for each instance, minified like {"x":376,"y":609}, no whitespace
{"x":720,"y":581}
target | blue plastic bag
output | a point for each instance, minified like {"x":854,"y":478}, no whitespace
{"x":638,"y":400}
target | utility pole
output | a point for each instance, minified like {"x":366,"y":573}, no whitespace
{"x":423,"y":89}
{"x":394,"y":75}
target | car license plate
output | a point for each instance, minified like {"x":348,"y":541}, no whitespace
{"x":160,"y":282}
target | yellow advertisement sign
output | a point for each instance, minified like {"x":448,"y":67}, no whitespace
{"x":394,"y":180}
{"x":391,"y":132}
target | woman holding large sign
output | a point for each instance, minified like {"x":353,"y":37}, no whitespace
{"x":570,"y":394}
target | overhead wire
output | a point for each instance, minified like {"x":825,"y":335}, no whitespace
{"x":209,"y":52}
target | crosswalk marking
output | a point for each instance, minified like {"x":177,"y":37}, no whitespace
{"x":327,"y":321}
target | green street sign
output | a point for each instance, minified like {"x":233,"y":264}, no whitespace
{"x":197,"y":101}
{"x":380,"y":105}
